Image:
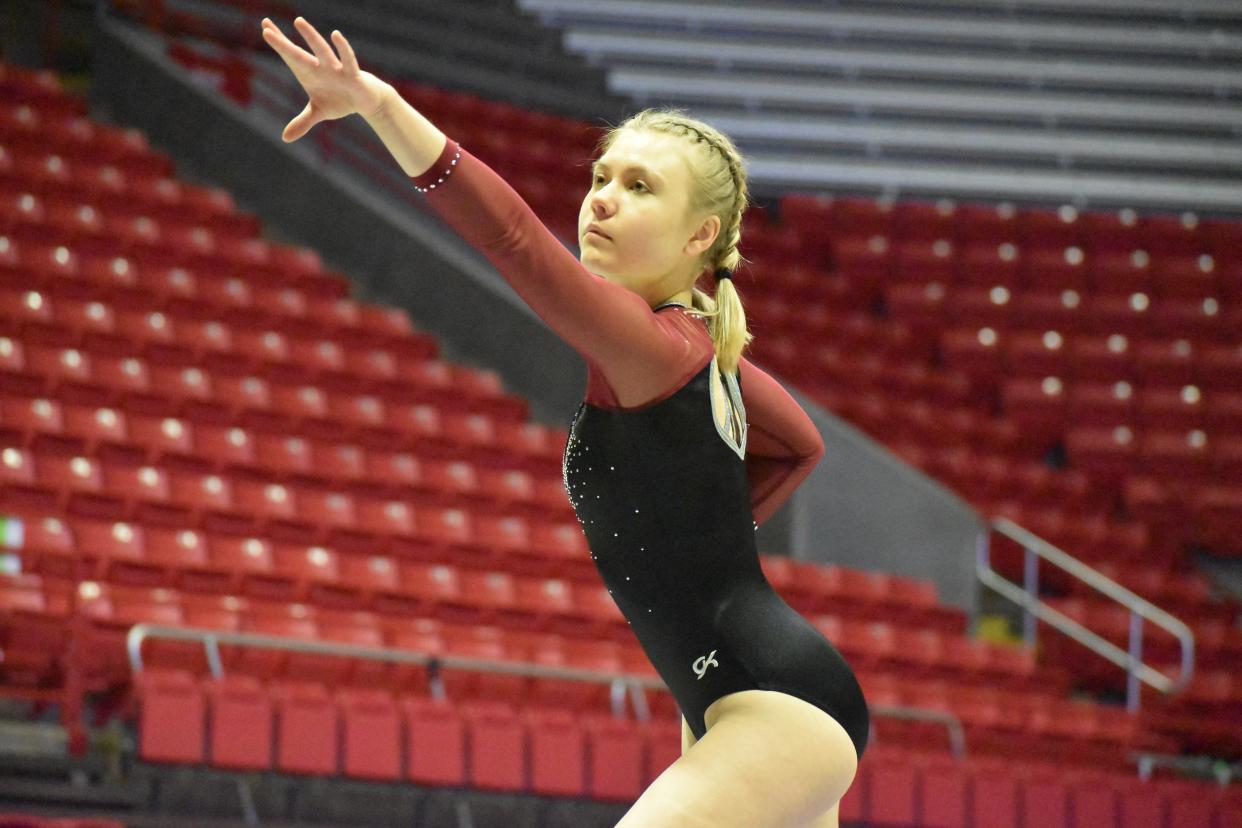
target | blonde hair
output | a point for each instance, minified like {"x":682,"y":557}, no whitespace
{"x":718,"y":189}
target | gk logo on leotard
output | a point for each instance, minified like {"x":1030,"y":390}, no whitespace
{"x":703,"y":662}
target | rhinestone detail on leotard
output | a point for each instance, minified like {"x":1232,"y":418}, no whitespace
{"x":447,"y":171}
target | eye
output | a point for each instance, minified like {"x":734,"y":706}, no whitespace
{"x":597,"y":178}
{"x":640,"y":184}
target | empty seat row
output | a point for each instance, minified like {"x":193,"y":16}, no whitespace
{"x":77,"y":228}
{"x":432,"y":400}
{"x":1105,"y":273}
{"x":117,"y":288}
{"x":825,"y":218}
{"x":354,"y":491}
{"x":1114,"y":452}
{"x":47,"y":426}
{"x":1152,"y":409}
{"x":69,"y":134}
{"x":571,"y":134}
{"x":44,"y":252}
{"x":180,"y":336}
{"x":422,"y":520}
{"x":13,"y":819}
{"x":239,"y":724}
{"x":900,"y":787}
{"x":502,"y":560}
{"x":115,"y":607}
{"x":987,"y":353}
{"x":1001,"y":308}
{"x":139,"y":435}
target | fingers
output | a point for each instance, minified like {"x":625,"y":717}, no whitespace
{"x":300,"y":125}
{"x":294,"y":56}
{"x":315,"y":40}
{"x":348,"y":59}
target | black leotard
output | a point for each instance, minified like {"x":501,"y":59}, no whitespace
{"x":670,"y":485}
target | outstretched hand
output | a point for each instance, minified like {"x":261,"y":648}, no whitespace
{"x":335,"y":85}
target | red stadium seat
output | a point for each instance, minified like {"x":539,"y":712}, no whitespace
{"x":204,"y":494}
{"x":1221,"y":368}
{"x":170,"y":717}
{"x":162,"y":437}
{"x":436,"y":742}
{"x":891,"y":788}
{"x":307,"y":728}
{"x":276,"y":617}
{"x":1036,"y":354}
{"x":283,"y":454}
{"x":943,"y":784}
{"x":1121,"y":272}
{"x":376,"y":579}
{"x":995,"y":795}
{"x":27,"y":420}
{"x":343,"y":462}
{"x":247,"y":396}
{"x":371,"y":747}
{"x":182,"y":555}
{"x":1055,"y":268}
{"x":1040,"y":226}
{"x":1045,"y":796}
{"x":1101,"y":404}
{"x":182,"y":383}
{"x":1093,"y":800}
{"x":557,"y":753}
{"x":240,"y":736}
{"x":503,"y":765}
{"x":1175,"y":454}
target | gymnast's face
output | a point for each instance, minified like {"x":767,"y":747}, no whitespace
{"x":652,"y":241}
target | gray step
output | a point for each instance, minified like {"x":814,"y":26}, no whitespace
{"x":1227,"y":12}
{"x":803,"y":134}
{"x":618,"y":49}
{"x":759,"y":91}
{"x":774,"y":173}
{"x":1205,"y":42}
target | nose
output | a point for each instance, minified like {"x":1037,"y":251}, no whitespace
{"x":601,"y":202}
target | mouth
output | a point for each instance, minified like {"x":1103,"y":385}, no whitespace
{"x":592,"y":231}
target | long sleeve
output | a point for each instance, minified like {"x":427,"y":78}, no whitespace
{"x":606,"y":323}
{"x":782,"y":445}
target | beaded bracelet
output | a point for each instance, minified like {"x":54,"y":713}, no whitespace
{"x":447,"y":170}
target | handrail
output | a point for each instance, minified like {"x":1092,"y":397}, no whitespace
{"x":953,"y":724}
{"x":1224,"y":773}
{"x":1027,"y":596}
{"x":622,"y":683}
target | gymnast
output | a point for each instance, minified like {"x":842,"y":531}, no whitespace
{"x":680,"y":448}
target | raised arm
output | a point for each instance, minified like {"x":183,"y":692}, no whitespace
{"x":607,"y":323}
{"x":782,"y":444}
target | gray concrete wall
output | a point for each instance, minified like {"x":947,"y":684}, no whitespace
{"x":865,"y":507}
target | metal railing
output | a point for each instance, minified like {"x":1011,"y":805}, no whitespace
{"x":632,"y":685}
{"x":1198,"y":767}
{"x":1036,"y":549}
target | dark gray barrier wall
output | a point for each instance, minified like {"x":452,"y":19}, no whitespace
{"x":862,"y":507}
{"x":865,"y":507}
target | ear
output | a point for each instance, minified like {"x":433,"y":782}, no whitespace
{"x":704,"y":236}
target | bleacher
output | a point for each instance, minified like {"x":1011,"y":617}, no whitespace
{"x":201,"y":429}
{"x":1097,"y":104}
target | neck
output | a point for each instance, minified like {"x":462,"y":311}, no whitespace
{"x":686,"y":297}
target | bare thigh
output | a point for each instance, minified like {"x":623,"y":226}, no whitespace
{"x":767,"y":760}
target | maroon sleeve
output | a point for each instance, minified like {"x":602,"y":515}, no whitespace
{"x":782,"y":443}
{"x":608,"y":324}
